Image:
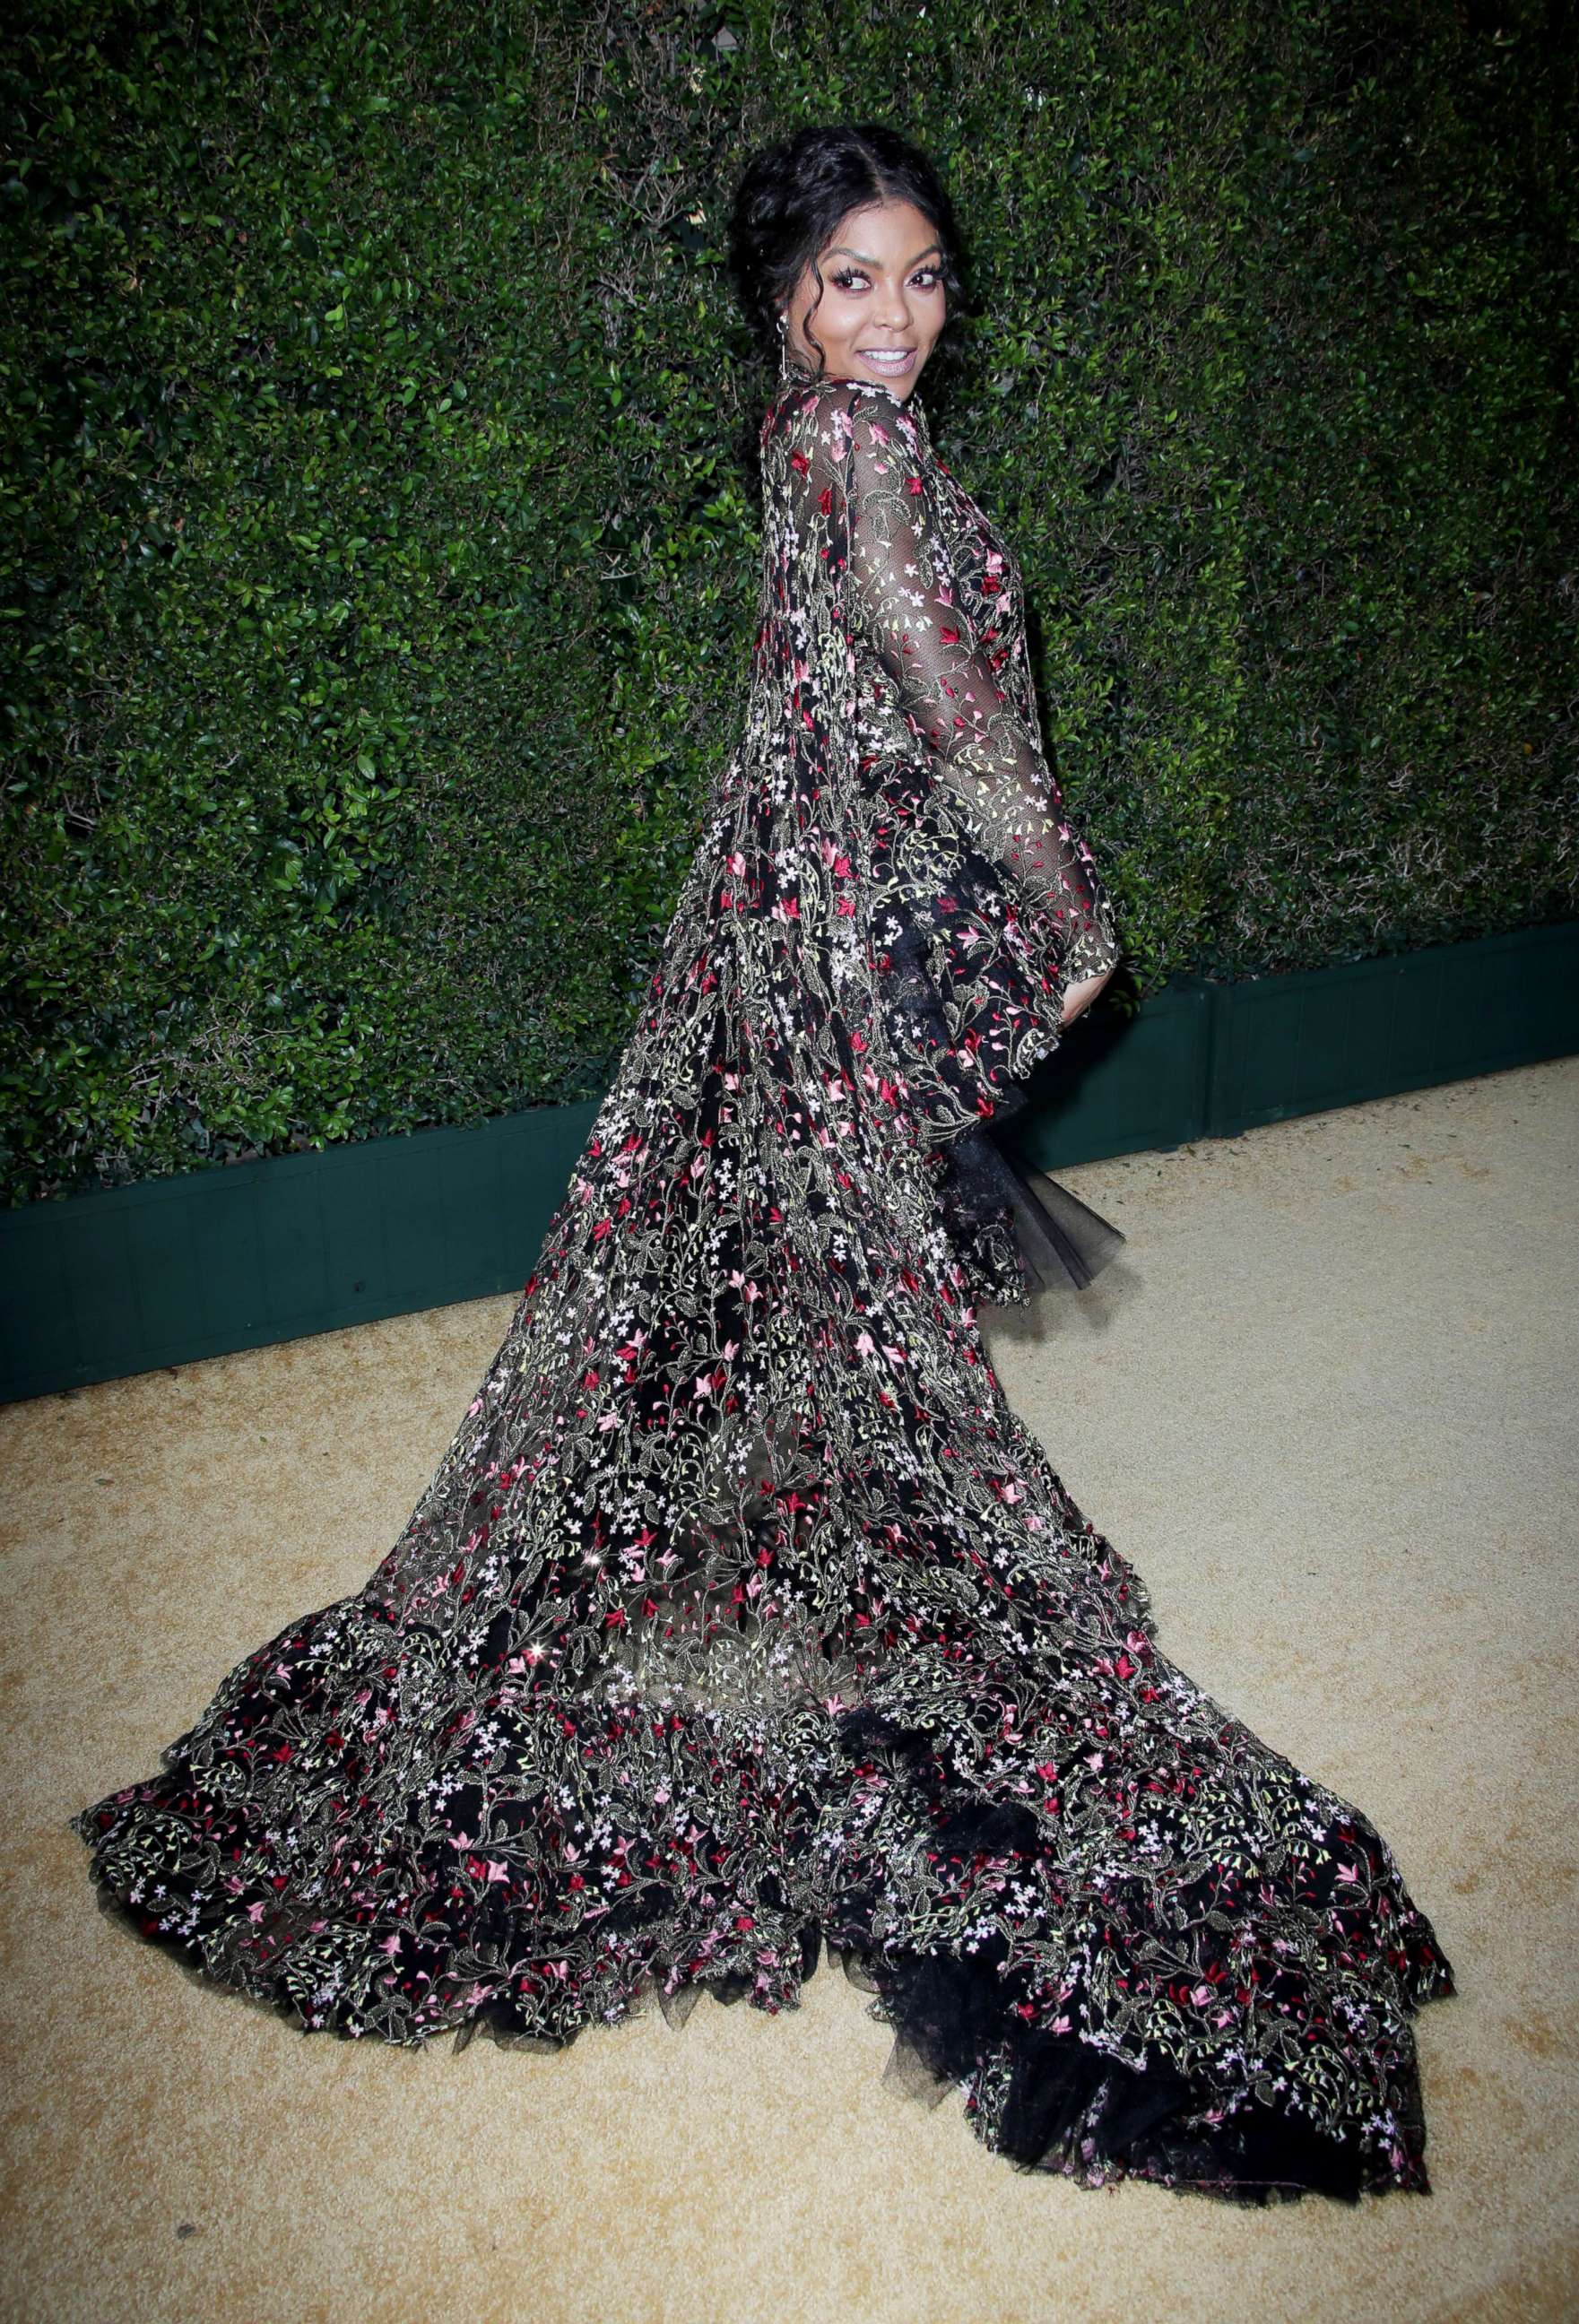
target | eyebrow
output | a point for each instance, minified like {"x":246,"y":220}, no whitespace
{"x":844,"y":248}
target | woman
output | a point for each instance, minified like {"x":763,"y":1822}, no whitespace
{"x":742,"y":1614}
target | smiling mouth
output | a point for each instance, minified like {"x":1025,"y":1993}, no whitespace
{"x":891,"y":358}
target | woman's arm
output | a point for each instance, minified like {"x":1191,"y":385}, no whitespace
{"x":899,"y":596}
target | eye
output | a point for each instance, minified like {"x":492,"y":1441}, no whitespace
{"x":927,"y":277}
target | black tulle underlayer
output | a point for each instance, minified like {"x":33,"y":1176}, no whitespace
{"x":1062,"y":1242}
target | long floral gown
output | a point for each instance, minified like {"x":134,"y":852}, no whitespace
{"x":742,"y":1614}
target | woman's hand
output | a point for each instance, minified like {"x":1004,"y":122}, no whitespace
{"x":1081,"y":995}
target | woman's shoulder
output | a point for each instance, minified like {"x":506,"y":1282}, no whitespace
{"x":830,"y":410}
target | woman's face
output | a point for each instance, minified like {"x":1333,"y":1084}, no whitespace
{"x":881,"y":303}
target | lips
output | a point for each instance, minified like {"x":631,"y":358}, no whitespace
{"x":888,"y":358}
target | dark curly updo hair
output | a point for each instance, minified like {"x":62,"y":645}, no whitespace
{"x":791,"y":198}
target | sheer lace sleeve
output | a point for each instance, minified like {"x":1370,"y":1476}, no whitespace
{"x":901,"y":598}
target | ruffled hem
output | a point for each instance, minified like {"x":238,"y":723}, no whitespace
{"x":1047,"y":2102}
{"x":884,"y":1831}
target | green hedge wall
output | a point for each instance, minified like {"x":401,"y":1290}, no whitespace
{"x":380,"y":560}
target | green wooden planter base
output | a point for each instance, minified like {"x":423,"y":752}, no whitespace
{"x":107,"y":1284}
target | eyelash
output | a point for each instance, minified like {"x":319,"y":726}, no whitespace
{"x":849,"y":276}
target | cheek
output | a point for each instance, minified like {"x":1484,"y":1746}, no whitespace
{"x":831,"y":317}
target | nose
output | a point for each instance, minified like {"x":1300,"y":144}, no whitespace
{"x":894,"y":308}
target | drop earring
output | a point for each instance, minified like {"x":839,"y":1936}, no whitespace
{"x":784,"y":347}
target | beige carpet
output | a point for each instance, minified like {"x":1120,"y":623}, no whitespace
{"x":1326,"y":1402}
